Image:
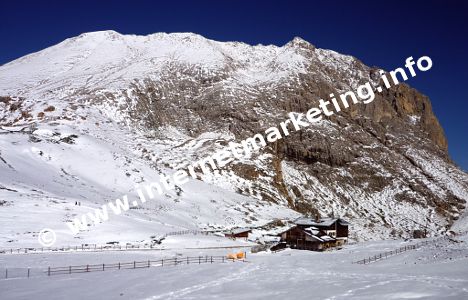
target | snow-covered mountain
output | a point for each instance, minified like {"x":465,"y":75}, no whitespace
{"x":90,"y":118}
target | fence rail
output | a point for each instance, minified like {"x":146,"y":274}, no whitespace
{"x":110,"y":247}
{"x":184,"y":232}
{"x":50,"y":271}
{"x":116,"y":246}
{"x":86,"y":247}
{"x":387,"y":254}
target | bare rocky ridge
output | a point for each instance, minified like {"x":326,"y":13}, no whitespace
{"x":383,"y":165}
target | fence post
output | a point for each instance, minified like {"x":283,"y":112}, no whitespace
{"x":187,"y":260}
{"x":6,"y":273}
{"x":87,"y":268}
{"x":48,"y":271}
{"x":148,"y":263}
{"x":28,"y":272}
{"x":211,"y":259}
{"x":103,"y":267}
{"x":119,"y":265}
{"x":134,"y":264}
{"x":69,"y":270}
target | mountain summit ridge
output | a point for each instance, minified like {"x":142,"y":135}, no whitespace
{"x":180,"y":97}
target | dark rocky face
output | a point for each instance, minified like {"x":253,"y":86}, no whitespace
{"x":358,"y":154}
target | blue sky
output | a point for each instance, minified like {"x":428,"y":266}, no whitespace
{"x":379,"y":34}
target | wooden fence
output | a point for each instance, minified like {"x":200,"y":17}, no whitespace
{"x":99,"y":248}
{"x":111,"y":246}
{"x":50,"y":271}
{"x":86,"y":247}
{"x":184,"y":232}
{"x":387,"y":254}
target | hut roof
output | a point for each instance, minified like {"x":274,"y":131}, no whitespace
{"x":304,"y":221}
{"x":238,"y":231}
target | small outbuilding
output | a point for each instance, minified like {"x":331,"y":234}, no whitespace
{"x":238,"y":233}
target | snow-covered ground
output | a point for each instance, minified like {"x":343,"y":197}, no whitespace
{"x":436,"y":271}
{"x":41,"y":181}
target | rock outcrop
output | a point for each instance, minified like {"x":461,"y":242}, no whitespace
{"x":383,"y":165}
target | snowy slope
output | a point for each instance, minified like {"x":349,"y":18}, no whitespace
{"x":108,"y":59}
{"x":42,"y":180}
{"x":90,"y":118}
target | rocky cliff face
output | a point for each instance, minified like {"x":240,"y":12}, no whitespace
{"x":383,"y":165}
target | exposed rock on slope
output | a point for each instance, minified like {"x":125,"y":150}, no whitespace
{"x":383,"y":165}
